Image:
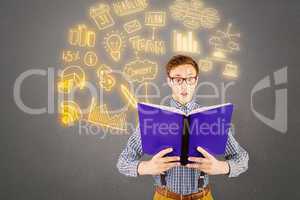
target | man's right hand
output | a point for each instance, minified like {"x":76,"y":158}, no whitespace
{"x":158,"y":164}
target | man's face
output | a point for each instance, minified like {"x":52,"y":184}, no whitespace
{"x":183,"y":80}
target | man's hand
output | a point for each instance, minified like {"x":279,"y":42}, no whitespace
{"x":209,"y":164}
{"x":158,"y":164}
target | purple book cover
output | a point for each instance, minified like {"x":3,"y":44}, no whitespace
{"x":162,"y":127}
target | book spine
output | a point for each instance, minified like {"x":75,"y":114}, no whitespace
{"x":185,"y":141}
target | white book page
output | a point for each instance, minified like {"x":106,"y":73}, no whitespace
{"x":205,"y":108}
{"x":162,"y":107}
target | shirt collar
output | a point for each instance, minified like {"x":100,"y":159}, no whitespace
{"x":177,"y":104}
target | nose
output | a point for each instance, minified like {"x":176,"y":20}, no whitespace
{"x":184,"y":85}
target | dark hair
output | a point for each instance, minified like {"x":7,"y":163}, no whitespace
{"x":181,"y":60}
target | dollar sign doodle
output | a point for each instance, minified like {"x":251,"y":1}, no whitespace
{"x":106,"y":81}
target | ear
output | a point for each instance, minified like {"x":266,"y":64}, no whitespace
{"x":169,"y":82}
{"x":197,"y":80}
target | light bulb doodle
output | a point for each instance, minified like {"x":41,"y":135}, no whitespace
{"x":114,"y":44}
{"x":101,"y":116}
{"x":132,"y":26}
{"x":101,"y":16}
{"x":193,"y":14}
{"x":155,"y":19}
{"x":82,"y":36}
{"x":90,"y":59}
{"x":70,"y":78}
{"x":106,"y":81}
{"x":69,"y":56}
{"x":127,"y":7}
{"x":140,"y":70}
{"x":139,"y":44}
{"x":129,"y":96}
{"x":185,"y":42}
{"x":69,"y":112}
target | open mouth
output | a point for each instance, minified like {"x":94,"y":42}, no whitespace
{"x":184,"y":94}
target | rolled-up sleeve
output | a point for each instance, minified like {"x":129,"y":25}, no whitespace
{"x":236,"y":156}
{"x":130,"y":157}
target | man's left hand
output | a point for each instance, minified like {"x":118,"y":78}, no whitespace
{"x":209,"y":164}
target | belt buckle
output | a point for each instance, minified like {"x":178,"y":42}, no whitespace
{"x":202,"y":189}
{"x":165,"y":190}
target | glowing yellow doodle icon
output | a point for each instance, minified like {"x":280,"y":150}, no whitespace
{"x":114,"y":43}
{"x":205,"y":65}
{"x":81,"y":36}
{"x":127,"y":7}
{"x":101,"y":16}
{"x":146,"y":93}
{"x":230,"y":70}
{"x":106,"y":81}
{"x":70,"y":56}
{"x":140,"y":44}
{"x":145,"y":96}
{"x":132,"y":26}
{"x":90,"y":59}
{"x":100,"y":115}
{"x":140,"y":70}
{"x":70,"y":78}
{"x":69,"y":113}
{"x":155,"y":19}
{"x":224,"y":42}
{"x":129,"y":96}
{"x":193,"y":14}
{"x":209,"y":18}
{"x":185,"y":42}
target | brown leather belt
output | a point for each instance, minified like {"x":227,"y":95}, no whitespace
{"x":194,"y":196}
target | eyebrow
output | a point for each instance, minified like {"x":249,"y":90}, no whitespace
{"x":179,"y":75}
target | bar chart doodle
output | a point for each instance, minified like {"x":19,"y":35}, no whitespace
{"x":185,"y":42}
{"x":99,"y":114}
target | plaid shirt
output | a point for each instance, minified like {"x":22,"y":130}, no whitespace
{"x":181,"y":179}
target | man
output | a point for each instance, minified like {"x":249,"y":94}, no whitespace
{"x":172,"y":180}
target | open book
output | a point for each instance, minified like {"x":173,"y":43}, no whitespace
{"x":162,"y":127}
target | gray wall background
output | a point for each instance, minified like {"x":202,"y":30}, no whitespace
{"x":42,"y":160}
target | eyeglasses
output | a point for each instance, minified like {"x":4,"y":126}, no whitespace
{"x":179,"y":80}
